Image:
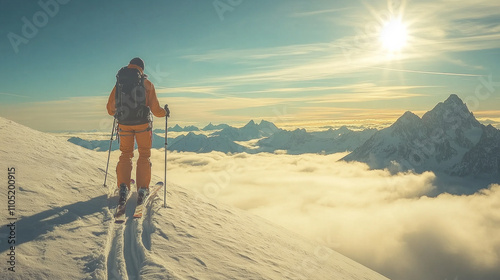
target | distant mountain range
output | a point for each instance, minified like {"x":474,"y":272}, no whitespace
{"x":190,"y":128}
{"x":103,"y":145}
{"x":248,"y":132}
{"x":447,"y":139}
{"x":300,"y":141}
{"x":200,"y":143}
{"x":269,"y":138}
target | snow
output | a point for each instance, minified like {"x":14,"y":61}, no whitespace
{"x":65,"y":228}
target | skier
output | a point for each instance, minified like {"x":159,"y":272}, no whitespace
{"x":131,"y":107}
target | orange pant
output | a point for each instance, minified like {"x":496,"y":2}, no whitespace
{"x":143,"y":135}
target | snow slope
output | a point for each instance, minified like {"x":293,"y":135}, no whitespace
{"x":65,"y":229}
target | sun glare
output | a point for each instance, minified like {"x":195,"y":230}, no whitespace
{"x":394,"y":35}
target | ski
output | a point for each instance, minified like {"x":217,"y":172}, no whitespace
{"x":141,"y":208}
{"x":120,"y":209}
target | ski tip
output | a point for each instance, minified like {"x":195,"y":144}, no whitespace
{"x":159,"y":183}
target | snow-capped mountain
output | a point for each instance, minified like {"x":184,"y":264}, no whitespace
{"x":248,"y":132}
{"x":64,"y":229}
{"x":446,"y":139}
{"x":178,"y":128}
{"x":210,"y":126}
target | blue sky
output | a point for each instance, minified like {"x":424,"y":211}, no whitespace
{"x":293,"y":62}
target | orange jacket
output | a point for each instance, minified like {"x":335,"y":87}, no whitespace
{"x":151,"y":99}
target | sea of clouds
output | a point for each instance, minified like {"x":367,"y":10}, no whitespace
{"x":382,"y":220}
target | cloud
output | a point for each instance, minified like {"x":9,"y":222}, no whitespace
{"x":208,"y":90}
{"x":428,"y":72}
{"x":319,"y":12}
{"x":14,"y":95}
{"x":251,"y":56}
{"x":381,"y":220}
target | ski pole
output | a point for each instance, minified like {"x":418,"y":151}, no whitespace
{"x":109,"y":151}
{"x":166,"y":144}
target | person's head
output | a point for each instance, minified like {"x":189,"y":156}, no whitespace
{"x":137,"y":61}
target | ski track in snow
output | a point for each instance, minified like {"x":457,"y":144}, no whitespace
{"x":125,"y":256}
{"x":128,"y":242}
{"x":133,"y":249}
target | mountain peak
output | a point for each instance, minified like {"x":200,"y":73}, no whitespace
{"x":267,"y":127}
{"x":408,"y":124}
{"x":409,"y":114}
{"x":453,"y":112}
{"x":407,"y":118}
{"x":453,"y":98}
{"x":266,"y":123}
{"x":209,"y":126}
{"x":453,"y":104}
{"x":343,"y":129}
{"x":250,"y":124}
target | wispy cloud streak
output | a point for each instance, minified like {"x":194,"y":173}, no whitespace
{"x":15,"y":95}
{"x":425,"y":72}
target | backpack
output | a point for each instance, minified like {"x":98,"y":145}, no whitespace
{"x":130,"y":97}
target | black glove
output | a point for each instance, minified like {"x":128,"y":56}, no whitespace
{"x":167,"y":110}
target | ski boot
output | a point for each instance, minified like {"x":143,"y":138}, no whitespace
{"x":142,"y":193}
{"x":123,"y":194}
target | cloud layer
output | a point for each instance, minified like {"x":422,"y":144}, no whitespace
{"x":381,"y":220}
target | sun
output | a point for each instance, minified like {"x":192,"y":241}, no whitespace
{"x":394,"y":35}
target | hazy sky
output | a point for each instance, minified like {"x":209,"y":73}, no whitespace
{"x":230,"y":61}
